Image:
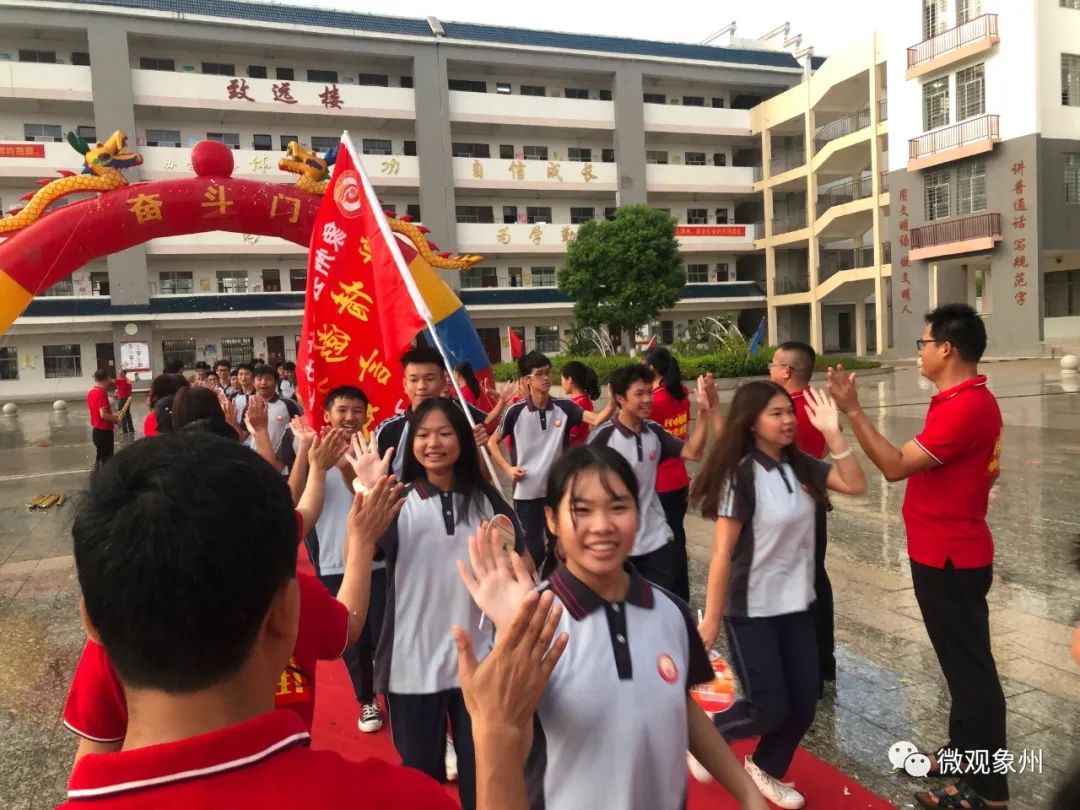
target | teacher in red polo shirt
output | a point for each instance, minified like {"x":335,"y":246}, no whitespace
{"x":102,"y":420}
{"x":950,"y":466}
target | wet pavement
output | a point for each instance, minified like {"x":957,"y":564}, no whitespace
{"x":889,"y":687}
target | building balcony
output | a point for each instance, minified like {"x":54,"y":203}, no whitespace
{"x":494,"y":239}
{"x":699,"y":179}
{"x":696,"y":120}
{"x":949,"y":47}
{"x":181,"y":306}
{"x":155,"y":88}
{"x":959,"y":141}
{"x":967,"y":235}
{"x":534,"y":175}
{"x":789,"y":223}
{"x":40,"y":82}
{"x":841,"y":127}
{"x":786,"y":161}
{"x":793,"y":284}
{"x":531,"y":111}
{"x":832,"y":262}
{"x":849,"y":192}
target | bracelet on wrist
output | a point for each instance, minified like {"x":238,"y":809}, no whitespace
{"x":841,"y":456}
{"x":359,"y":487}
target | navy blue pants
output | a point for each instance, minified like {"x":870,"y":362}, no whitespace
{"x":418,"y":725}
{"x":531,"y":515}
{"x":776,"y":660}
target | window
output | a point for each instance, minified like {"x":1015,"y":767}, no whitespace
{"x":970,"y":92}
{"x":936,"y":103}
{"x":413,"y":210}
{"x":409,"y":148}
{"x":502,"y":88}
{"x":697,"y":274}
{"x":80,"y":58}
{"x":1062,"y":294}
{"x":1072,"y":176}
{"x":657,"y":156}
{"x":285,"y":140}
{"x":64,"y":360}
{"x":377,"y":146}
{"x":718,"y":101}
{"x":576,"y":92}
{"x":506,"y":151}
{"x":324,"y":76}
{"x":695,"y":159}
{"x":470,"y":150}
{"x":937,"y":195}
{"x":971,"y":187}
{"x":535,"y":152}
{"x":475,"y":213}
{"x":721,"y":216}
{"x":607,"y":155}
{"x":610,"y":213}
{"x":1070,"y":80}
{"x":580,"y":215}
{"x":1075,"y":4}
{"x":218,"y":69}
{"x":510,"y":214}
{"x":297,"y":279}
{"x":89,"y":133}
{"x":176,"y":282}
{"x":547,"y":339}
{"x":230,"y":139}
{"x":538,"y":214}
{"x":933,"y":18}
{"x":372,"y":80}
{"x":59,"y":289}
{"x":515,"y":277}
{"x":533,"y":90}
{"x":285,"y":74}
{"x":697,"y":216}
{"x":237,"y":350}
{"x":271,"y":280}
{"x":655,"y":98}
{"x":693,"y":101}
{"x":543,"y":276}
{"x":389,"y":209}
{"x":257,"y":71}
{"x":43,"y":133}
{"x":667,"y":332}
{"x":723,"y":272}
{"x":99,"y":283}
{"x":324,"y":143}
{"x":467,"y":85}
{"x":968,"y":10}
{"x":163,"y":137}
{"x":262,"y":143}
{"x":604,"y":95}
{"x":719,"y":159}
{"x":476,"y":278}
{"x":45,"y":57}
{"x":579,"y":154}
{"x":232,"y":281}
{"x":9,"y":363}
{"x":182,"y":349}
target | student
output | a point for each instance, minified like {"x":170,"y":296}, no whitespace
{"x":538,"y":429}
{"x":202,"y":370}
{"x":950,"y":466}
{"x":646,"y":445}
{"x":245,"y":378}
{"x":446,"y":501}
{"x":234,"y":383}
{"x":102,"y":419}
{"x":631,"y":645}
{"x":471,"y":389}
{"x":792,"y":368}
{"x":200,"y":620}
{"x":287,"y":380}
{"x":222,"y":372}
{"x":279,"y":413}
{"x":123,"y":394}
{"x":162,"y":390}
{"x":579,"y":382}
{"x":173,"y":367}
{"x":761,"y":490}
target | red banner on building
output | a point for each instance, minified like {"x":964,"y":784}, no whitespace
{"x":710,"y":230}
{"x":359,"y":315}
{"x":22,"y":150}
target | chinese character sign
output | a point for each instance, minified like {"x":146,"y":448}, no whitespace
{"x":1020,"y":224}
{"x":905,"y":261}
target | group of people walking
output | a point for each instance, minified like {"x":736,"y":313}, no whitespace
{"x":426,"y":569}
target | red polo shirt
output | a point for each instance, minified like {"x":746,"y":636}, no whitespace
{"x":807,"y":437}
{"x":97,"y":399}
{"x":580,"y":433}
{"x":945,"y":505}
{"x":264,"y":762}
{"x":96,"y":707}
{"x":674,"y":416}
{"x":123,"y":387}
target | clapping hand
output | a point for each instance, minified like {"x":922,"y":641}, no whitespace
{"x":257,"y":417}
{"x":325,"y":451}
{"x":498,"y":582}
{"x":365,"y":461}
{"x":822,"y":411}
{"x":842,"y":389}
{"x":705,"y":400}
{"x":371,"y":514}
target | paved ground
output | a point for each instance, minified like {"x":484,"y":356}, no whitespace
{"x":889,"y":687}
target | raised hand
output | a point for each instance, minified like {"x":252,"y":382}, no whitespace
{"x":498,"y":582}
{"x":822,"y":411}
{"x":371,"y":515}
{"x":257,"y":417}
{"x":365,"y":461}
{"x":509,"y":390}
{"x":705,"y":400}
{"x":325,"y":451}
{"x":842,"y":389}
{"x":304,"y":433}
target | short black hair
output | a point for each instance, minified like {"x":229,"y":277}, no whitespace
{"x":625,"y":376}
{"x":192,"y":404}
{"x":245,"y":367}
{"x":807,"y":356}
{"x":531,"y":361}
{"x":961,"y":326}
{"x":176,"y":594}
{"x":423,"y":356}
{"x":289,"y":365}
{"x":103,"y":374}
{"x":344,"y":392}
{"x":173,"y":367}
{"x":202,"y":365}
{"x":265,"y":371}
{"x":221,"y":363}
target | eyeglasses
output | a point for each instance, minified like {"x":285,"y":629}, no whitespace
{"x":542,"y":373}
{"x":781,"y":365}
{"x":919,"y":344}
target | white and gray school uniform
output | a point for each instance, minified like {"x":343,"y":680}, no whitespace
{"x":595,"y":742}
{"x":332,"y":527}
{"x":772,"y":564}
{"x":394,"y":430}
{"x":537,"y":437}
{"x":425,"y":596}
{"x":279,"y":413}
{"x":644,"y":451}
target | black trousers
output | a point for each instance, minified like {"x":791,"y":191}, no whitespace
{"x":359,"y":658}
{"x":418,"y":725}
{"x":103,"y":444}
{"x":661,"y":567}
{"x":674,"y":504}
{"x":822,"y":607}
{"x":775,"y":659}
{"x":531,"y":515}
{"x":953,"y":605}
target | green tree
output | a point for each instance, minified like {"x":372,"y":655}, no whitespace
{"x":621,"y":273}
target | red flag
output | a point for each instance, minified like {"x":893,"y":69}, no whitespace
{"x":517,"y":346}
{"x":359,"y":314}
{"x":651,"y":344}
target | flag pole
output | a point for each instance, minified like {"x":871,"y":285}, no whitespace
{"x":410,"y":285}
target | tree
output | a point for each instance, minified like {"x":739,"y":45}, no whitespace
{"x":621,"y":273}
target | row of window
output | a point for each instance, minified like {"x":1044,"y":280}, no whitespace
{"x":49,"y":57}
{"x":286,"y":74}
{"x":59,"y":360}
{"x":509,"y":151}
{"x":542,"y":215}
{"x":660,"y":157}
{"x":970,"y":97}
{"x":476,"y":278}
{"x":936,"y":21}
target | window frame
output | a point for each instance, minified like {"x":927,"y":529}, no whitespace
{"x":697,"y":273}
{"x":941,"y":207}
{"x":176,"y":279}
{"x":230,"y":281}
{"x":971,"y":92}
{"x":970,"y":184}
{"x":936,"y":100}
{"x":63,"y":365}
{"x":152,"y":140}
{"x":543,"y":273}
{"x":182,"y":349}
{"x":9,"y":363}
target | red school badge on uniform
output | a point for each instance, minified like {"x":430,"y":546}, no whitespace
{"x":558,"y":423}
{"x":665,"y":665}
{"x":652,"y":455}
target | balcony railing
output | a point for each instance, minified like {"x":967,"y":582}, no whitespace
{"x":788,"y":285}
{"x":789,"y":223}
{"x":759,"y":173}
{"x":883,"y":109}
{"x":860,"y":119}
{"x":837,"y":261}
{"x":849,"y":192}
{"x":982,"y":226}
{"x":982,"y":27}
{"x":787,"y":160}
{"x":986,"y":128}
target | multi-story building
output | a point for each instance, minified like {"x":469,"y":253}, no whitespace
{"x":986,"y":194}
{"x":501,"y":141}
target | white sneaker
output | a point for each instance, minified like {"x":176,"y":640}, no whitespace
{"x":773,"y":789}
{"x":371,"y":719}
{"x":451,"y":761}
{"x":697,"y":770}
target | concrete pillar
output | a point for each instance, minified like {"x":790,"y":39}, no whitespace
{"x":817,"y":332}
{"x":860,"y":324}
{"x":877,"y":166}
{"x":630,"y":135}
{"x":433,"y":139}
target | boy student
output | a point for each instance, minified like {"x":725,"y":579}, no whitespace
{"x":200,"y":622}
{"x":221,"y":371}
{"x":950,"y":466}
{"x":645,"y":444}
{"x":538,"y":428}
{"x":272,"y":411}
{"x":102,"y":419}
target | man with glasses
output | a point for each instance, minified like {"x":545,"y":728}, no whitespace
{"x":950,"y":466}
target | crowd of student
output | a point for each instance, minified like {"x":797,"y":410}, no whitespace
{"x":581,"y":697}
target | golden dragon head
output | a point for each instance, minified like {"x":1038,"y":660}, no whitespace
{"x":299,"y":160}
{"x":111,"y":155}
